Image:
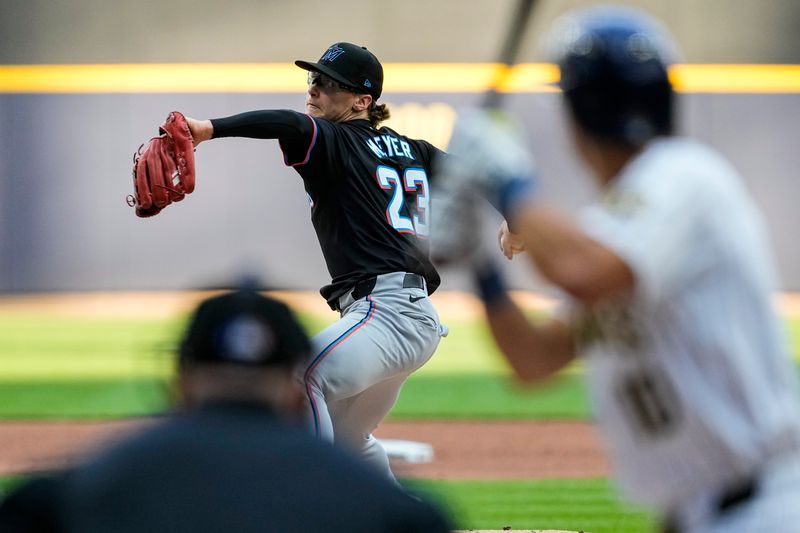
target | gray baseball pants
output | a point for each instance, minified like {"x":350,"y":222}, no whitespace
{"x":359,"y":362}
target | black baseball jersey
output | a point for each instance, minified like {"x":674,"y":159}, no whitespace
{"x":368,"y":189}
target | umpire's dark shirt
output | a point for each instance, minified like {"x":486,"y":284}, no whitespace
{"x":236,"y":468}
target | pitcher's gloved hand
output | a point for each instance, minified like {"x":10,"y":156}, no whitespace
{"x":163,"y":168}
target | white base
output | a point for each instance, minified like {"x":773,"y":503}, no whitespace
{"x":408,"y":450}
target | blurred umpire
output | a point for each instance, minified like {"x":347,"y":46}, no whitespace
{"x":667,"y":279}
{"x":236,"y":456}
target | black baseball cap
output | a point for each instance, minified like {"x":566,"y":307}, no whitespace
{"x":351,"y":65}
{"x":244,"y":327}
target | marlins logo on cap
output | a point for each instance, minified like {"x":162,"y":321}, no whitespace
{"x":331,"y":54}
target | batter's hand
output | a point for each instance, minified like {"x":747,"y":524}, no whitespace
{"x":489,"y":156}
{"x":456,"y":224}
{"x":510,"y":243}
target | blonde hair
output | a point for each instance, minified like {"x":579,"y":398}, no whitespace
{"x":377,"y":113}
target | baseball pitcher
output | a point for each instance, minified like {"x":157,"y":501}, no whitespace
{"x":370,"y":205}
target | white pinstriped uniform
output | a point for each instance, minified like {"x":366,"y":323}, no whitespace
{"x":691,"y":380}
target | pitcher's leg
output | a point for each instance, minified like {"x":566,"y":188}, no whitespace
{"x":319,"y":419}
{"x":355,"y":418}
{"x":336,"y":352}
{"x":359,"y":366}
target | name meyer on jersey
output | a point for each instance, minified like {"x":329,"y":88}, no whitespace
{"x":394,"y":147}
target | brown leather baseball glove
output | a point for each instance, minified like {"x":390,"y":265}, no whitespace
{"x":163,"y":168}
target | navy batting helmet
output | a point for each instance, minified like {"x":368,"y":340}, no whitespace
{"x":613,"y":63}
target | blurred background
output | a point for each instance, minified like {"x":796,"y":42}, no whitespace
{"x":83,"y":84}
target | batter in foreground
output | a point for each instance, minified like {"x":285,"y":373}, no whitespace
{"x":668,"y":278}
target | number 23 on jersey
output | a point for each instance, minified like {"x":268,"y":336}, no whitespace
{"x":414,"y":180}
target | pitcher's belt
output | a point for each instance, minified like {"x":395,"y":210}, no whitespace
{"x":365,"y":287}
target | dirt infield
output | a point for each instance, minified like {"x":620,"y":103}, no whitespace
{"x":502,"y":449}
{"x":462,"y":450}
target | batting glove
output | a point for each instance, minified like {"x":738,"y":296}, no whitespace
{"x":488,"y":155}
{"x":456,"y":227}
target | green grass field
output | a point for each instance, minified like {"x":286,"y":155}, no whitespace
{"x":56,"y":367}
{"x":569,"y":505}
{"x":92,"y":368}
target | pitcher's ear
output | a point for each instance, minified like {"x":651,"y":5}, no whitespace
{"x":362,"y":102}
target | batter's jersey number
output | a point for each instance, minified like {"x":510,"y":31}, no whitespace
{"x":650,"y":403}
{"x":414,"y":180}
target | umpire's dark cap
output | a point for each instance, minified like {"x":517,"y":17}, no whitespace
{"x":351,"y":65}
{"x":244,"y":327}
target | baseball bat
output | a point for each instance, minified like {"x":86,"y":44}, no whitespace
{"x":508,"y":54}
